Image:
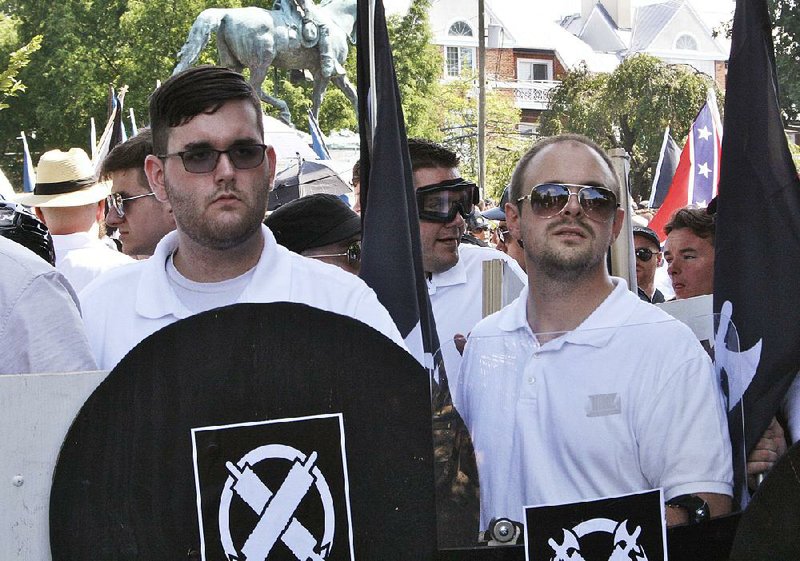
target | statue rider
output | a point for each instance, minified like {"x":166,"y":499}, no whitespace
{"x":313,"y":32}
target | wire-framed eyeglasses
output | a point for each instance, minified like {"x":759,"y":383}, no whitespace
{"x":204,"y":160}
{"x":117,"y":202}
{"x":353,"y":254}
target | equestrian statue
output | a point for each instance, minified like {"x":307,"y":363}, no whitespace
{"x":295,"y":35}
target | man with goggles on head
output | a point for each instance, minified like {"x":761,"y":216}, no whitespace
{"x":561,"y":399}
{"x":454,"y":270}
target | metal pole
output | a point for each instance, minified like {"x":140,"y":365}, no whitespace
{"x":372,"y":94}
{"x":481,"y":99}
{"x":623,"y":262}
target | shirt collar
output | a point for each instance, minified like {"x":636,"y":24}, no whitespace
{"x":596,"y":330}
{"x":155,"y":297}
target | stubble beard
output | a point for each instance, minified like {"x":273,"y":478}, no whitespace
{"x":218,"y":234}
{"x":567,"y":265}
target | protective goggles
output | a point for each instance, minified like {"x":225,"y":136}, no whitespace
{"x":550,"y":199}
{"x":644,"y":254}
{"x":353,"y":254}
{"x":441,"y":202}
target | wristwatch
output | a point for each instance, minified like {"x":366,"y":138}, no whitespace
{"x":696,"y":507}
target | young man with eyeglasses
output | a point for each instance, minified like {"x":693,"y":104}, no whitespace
{"x":132,"y":208}
{"x":648,"y":259}
{"x":211,"y":165}
{"x":454,"y":270}
{"x":562,"y":400}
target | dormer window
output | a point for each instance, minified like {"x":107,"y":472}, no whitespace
{"x":460,"y":29}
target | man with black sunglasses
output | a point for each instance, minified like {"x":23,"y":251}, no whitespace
{"x":211,"y":165}
{"x":562,"y":401}
{"x":648,"y":259}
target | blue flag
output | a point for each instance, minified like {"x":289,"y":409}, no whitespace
{"x":317,"y":142}
{"x":28,"y":174}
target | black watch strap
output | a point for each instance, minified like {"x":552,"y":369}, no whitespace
{"x":695,"y":506}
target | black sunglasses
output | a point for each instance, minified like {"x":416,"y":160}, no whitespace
{"x":441,"y":202}
{"x":644,"y":254}
{"x":204,"y":160}
{"x":353,"y":254}
{"x":550,"y":199}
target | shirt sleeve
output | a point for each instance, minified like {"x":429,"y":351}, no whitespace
{"x":683,"y":440}
{"x":44,"y":329}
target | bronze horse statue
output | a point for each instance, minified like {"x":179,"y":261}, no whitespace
{"x":256,"y":38}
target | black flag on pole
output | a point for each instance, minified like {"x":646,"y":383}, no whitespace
{"x":391,"y":259}
{"x":391,"y":263}
{"x":758,"y":226}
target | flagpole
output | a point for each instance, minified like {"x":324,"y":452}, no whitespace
{"x":372,"y":97}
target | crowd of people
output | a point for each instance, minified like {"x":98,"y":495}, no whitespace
{"x":577,"y":389}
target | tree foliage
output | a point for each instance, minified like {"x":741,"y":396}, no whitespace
{"x":10,"y":86}
{"x":629,"y":109}
{"x":418,"y":65}
{"x":457,"y":101}
{"x":786,"y":26}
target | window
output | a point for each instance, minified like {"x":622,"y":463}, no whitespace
{"x":686,"y":42}
{"x":530,"y":70}
{"x":460,"y":29}
{"x":458,"y":60}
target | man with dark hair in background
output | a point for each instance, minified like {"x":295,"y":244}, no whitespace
{"x":689,"y":252}
{"x":132,"y":207}
{"x":211,"y":165}
{"x":454,"y":270}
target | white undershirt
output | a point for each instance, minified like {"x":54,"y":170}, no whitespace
{"x":203,"y":296}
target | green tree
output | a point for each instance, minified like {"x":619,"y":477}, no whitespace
{"x":10,"y":86}
{"x":458,"y":106}
{"x":629,"y":109}
{"x":418,"y":65}
{"x":786,"y":34}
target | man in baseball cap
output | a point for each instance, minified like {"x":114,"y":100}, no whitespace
{"x":648,"y":259}
{"x":71,"y":202}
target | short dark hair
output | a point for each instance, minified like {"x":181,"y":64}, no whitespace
{"x":429,"y":154}
{"x":356,"y":173}
{"x":702,"y":224}
{"x":129,"y":155}
{"x":519,"y":171}
{"x":201,"y":89}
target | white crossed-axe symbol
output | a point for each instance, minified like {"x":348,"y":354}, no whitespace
{"x":276,"y":511}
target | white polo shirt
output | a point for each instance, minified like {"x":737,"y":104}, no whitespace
{"x":457,"y":297}
{"x":126,"y":305}
{"x":628,"y":401}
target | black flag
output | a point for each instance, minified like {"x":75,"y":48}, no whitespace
{"x":391,"y":260}
{"x":758,"y":225}
{"x":391,"y":264}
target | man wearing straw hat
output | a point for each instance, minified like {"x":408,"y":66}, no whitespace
{"x":71,"y":202}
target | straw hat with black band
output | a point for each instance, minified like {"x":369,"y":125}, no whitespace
{"x":65,"y":179}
